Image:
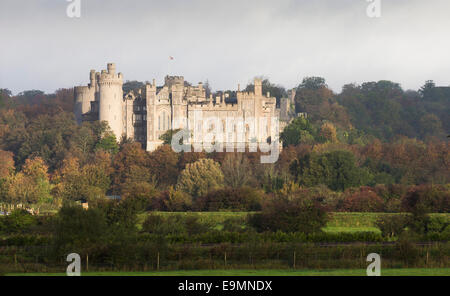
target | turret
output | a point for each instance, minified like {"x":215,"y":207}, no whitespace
{"x":111,"y":99}
{"x":84,"y":95}
{"x":111,"y":67}
{"x":258,"y":87}
{"x":92,"y":78}
{"x":170,"y":81}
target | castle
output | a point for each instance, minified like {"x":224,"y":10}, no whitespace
{"x":144,"y":115}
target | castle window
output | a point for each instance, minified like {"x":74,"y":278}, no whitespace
{"x":164,"y":121}
{"x":159,"y":122}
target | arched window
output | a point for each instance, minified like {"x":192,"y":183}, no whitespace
{"x":159,"y":122}
{"x":164,"y":120}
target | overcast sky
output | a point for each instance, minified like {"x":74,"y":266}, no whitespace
{"x":226,"y":42}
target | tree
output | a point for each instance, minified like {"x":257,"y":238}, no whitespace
{"x":299,"y":131}
{"x":78,"y":229}
{"x":336,"y":169}
{"x":6,"y":163}
{"x":131,"y":162}
{"x":5,"y":95}
{"x":290,"y":213}
{"x":31,"y":186}
{"x":132,"y":85}
{"x":167,"y":136}
{"x":90,"y":182}
{"x":200,"y":177}
{"x":364,"y":199}
{"x":176,"y":200}
{"x":163,"y":164}
{"x":328,"y":132}
{"x":234,"y":199}
{"x":108,"y":143}
{"x":310,"y":95}
{"x":236,"y":170}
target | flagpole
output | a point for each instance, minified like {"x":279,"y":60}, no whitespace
{"x":169,"y":64}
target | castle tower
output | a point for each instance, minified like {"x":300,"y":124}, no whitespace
{"x":258,"y":87}
{"x":84,"y":95}
{"x":111,"y":99}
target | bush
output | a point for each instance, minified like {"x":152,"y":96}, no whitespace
{"x":406,"y":250}
{"x":428,"y":198}
{"x":234,"y":199}
{"x":363,"y":200}
{"x":290,"y":214}
{"x":122,"y":214}
{"x":176,"y":200}
{"x":174,"y":225}
{"x":79,"y":229}
{"x":19,"y":221}
{"x":439,"y":225}
{"x":392,"y":225}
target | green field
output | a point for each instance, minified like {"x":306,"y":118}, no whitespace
{"x":339,"y":222}
{"x":337,"y":272}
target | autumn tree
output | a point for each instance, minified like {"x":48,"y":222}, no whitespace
{"x":131,"y":163}
{"x":31,"y":186}
{"x":236,"y":170}
{"x":6,"y":163}
{"x":164,"y":165}
{"x":176,"y":200}
{"x":90,"y":182}
{"x":200,"y":177}
{"x":328,"y":132}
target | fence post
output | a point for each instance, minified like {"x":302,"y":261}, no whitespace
{"x":87,"y":262}
{"x":225,"y":258}
{"x":294,"y":259}
{"x":157,"y":262}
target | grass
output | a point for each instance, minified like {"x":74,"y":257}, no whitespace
{"x":340,"y":229}
{"x":337,"y":272}
{"x":339,"y":222}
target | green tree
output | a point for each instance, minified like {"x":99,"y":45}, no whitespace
{"x":336,"y":169}
{"x":79,"y":229}
{"x":167,"y":136}
{"x":108,"y":143}
{"x":299,"y":131}
{"x":290,"y":213}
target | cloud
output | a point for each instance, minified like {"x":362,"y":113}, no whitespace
{"x":226,"y":42}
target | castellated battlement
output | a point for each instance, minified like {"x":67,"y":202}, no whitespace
{"x":146,"y":114}
{"x":211,"y":106}
{"x":81,"y":89}
{"x":173,"y":80}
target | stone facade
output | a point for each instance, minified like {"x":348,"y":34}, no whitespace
{"x":145,"y":114}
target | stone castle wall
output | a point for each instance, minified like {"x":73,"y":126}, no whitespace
{"x":148,"y":113}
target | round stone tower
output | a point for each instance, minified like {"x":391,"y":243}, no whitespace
{"x":111,"y":99}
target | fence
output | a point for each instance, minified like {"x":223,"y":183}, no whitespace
{"x":227,"y":256}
